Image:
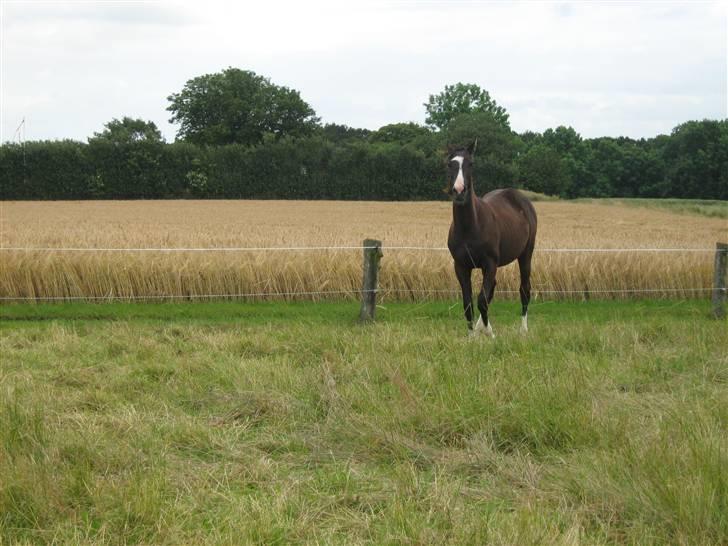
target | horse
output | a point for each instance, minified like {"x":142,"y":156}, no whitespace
{"x":486,"y":233}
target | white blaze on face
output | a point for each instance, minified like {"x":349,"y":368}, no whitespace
{"x":459,"y":185}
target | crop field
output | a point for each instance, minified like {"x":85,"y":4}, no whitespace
{"x":407,"y":275}
{"x":288,"y":423}
{"x":705,"y":207}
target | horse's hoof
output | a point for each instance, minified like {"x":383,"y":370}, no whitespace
{"x":481,"y":332}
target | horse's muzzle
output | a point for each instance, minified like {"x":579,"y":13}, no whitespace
{"x":460,"y":198}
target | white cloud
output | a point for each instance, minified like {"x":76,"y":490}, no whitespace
{"x":625,"y":68}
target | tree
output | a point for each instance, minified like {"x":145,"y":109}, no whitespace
{"x":564,"y":140}
{"x":238,"y":106}
{"x":543,"y":169}
{"x":402,"y":133}
{"x":606,"y":168}
{"x":127,"y":158}
{"x":530,"y":139}
{"x":129,"y":130}
{"x":343,"y":133}
{"x":413,"y":135}
{"x":575,"y":154}
{"x":462,"y":98}
{"x":696,"y":158}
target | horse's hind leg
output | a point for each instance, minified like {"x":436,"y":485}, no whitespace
{"x":524,"y":265}
{"x":492,"y":290}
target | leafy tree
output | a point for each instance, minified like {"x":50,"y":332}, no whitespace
{"x":343,"y":133}
{"x":127,"y":155}
{"x":543,"y":169}
{"x":402,"y":133}
{"x":564,"y":140}
{"x":129,"y":130}
{"x":497,"y":148}
{"x":462,"y":98}
{"x":530,"y":138}
{"x":605,"y":169}
{"x":575,"y":155}
{"x":696,"y":159}
{"x":640,"y":169}
{"x":238,"y":106}
{"x":654,"y":181}
{"x":416,"y":136}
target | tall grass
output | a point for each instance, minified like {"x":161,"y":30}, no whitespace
{"x":406,"y":275}
{"x":289,"y":424}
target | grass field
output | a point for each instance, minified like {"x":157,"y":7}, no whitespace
{"x":276,"y":423}
{"x":406,"y":275}
{"x":704,"y":207}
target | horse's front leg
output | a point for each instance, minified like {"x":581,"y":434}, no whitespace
{"x":463,"y":275}
{"x":484,"y":299}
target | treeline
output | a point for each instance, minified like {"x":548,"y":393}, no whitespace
{"x":398,"y":162}
{"x":303,"y":168}
{"x":242,"y":137}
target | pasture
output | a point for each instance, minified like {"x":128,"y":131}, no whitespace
{"x":287,"y":423}
{"x":278,"y":422}
{"x":407,"y":275}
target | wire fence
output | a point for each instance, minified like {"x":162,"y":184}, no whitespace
{"x":383,"y":291}
{"x":322,"y":294}
{"x":320,"y":248}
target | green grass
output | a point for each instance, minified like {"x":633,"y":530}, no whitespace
{"x":275,"y":423}
{"x":702,"y":207}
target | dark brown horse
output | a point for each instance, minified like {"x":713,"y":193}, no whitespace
{"x":486,"y":233}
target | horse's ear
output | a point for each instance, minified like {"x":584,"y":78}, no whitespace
{"x":472,"y":147}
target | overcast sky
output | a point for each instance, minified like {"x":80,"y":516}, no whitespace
{"x":606,"y":68}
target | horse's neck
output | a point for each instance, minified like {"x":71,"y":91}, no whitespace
{"x":464,"y":216}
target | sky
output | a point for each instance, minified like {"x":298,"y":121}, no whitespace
{"x":614,"y":68}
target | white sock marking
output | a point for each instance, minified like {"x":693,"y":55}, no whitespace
{"x":479,"y":325}
{"x":483,"y":328}
{"x":524,"y":323}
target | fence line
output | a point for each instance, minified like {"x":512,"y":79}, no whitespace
{"x":584,"y":292}
{"x":312,"y":248}
{"x":535,"y":292}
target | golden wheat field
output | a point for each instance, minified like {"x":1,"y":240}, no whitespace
{"x":332,"y":274}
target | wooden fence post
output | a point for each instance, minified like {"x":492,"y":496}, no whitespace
{"x":719,"y":280}
{"x":370,"y":280}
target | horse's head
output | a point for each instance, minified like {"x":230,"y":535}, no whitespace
{"x":460,"y":173}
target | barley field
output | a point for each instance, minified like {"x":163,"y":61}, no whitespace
{"x":408,"y":275}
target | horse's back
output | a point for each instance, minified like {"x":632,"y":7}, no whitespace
{"x":511,"y":198}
